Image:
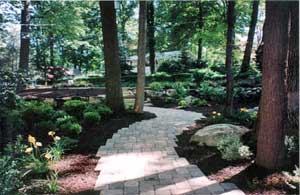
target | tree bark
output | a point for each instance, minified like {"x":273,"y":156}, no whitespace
{"x":270,"y":143}
{"x":51,"y":45}
{"x":114,"y":96}
{"x":201,"y":22}
{"x":151,"y":39}
{"x":25,"y":38}
{"x":293,"y":67}
{"x":229,"y":52}
{"x":248,"y":49}
{"x":140,"y":88}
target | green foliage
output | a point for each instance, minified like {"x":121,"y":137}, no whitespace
{"x":245,"y":117}
{"x":91,"y":118}
{"x":181,"y":89}
{"x":68,"y":125}
{"x":38,"y":166}
{"x":34,"y":112}
{"x":75,"y":108}
{"x":183,"y":104}
{"x":9,"y":82}
{"x":156,"y":86}
{"x":199,"y":102}
{"x":232,"y":148}
{"x":210,"y":92}
{"x":102,"y":109}
{"x":52,"y":182}
{"x":206,"y":74}
{"x":161,"y":76}
{"x":10,"y":176}
{"x":229,"y":147}
{"x":68,"y":143}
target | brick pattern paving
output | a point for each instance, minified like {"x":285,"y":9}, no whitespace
{"x":141,"y":159}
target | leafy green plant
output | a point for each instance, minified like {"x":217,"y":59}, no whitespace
{"x":36,"y":111}
{"x":199,"y":102}
{"x":75,"y":108}
{"x":229,"y":147}
{"x":10,"y":176}
{"x":210,"y":92}
{"x":183,"y":104}
{"x":245,"y":117}
{"x":180,"y":88}
{"x":232,"y":148}
{"x":292,"y":145}
{"x":91,"y":118}
{"x":68,"y":125}
{"x":52,"y":184}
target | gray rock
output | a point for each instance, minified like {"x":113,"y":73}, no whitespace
{"x":211,"y":135}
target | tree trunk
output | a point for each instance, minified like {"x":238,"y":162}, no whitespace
{"x":270,"y":143}
{"x":140,"y":88}
{"x":228,"y":62}
{"x":114,"y":96}
{"x":293,"y":67}
{"x":248,"y":49}
{"x":201,"y":22}
{"x":151,"y":39}
{"x":25,"y":38}
{"x":51,"y":45}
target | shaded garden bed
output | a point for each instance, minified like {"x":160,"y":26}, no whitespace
{"x":248,"y":177}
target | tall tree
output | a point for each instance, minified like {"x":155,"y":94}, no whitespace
{"x":293,"y":67}
{"x":150,"y":34}
{"x":201,"y":24}
{"x":25,"y":39}
{"x":270,"y":142}
{"x":114,"y":96}
{"x":228,"y":63}
{"x":139,"y":101}
{"x":249,"y":44}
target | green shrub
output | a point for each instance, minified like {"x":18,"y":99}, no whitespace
{"x":10,"y":176}
{"x":161,"y":76}
{"x":183,"y":104}
{"x":214,"y":93}
{"x":91,"y":118}
{"x":36,"y":111}
{"x":205,"y":74}
{"x":68,"y":143}
{"x":156,"y":86}
{"x":102,"y":109}
{"x":68,"y":125}
{"x":75,"y":108}
{"x":232,"y":148}
{"x":244,"y":117}
{"x":199,"y":102}
{"x":181,"y":89}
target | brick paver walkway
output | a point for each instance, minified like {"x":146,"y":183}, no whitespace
{"x":141,"y":159}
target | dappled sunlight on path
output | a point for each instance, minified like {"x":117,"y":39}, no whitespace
{"x":141,"y":159}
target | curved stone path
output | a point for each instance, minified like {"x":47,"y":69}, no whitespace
{"x":141,"y":159}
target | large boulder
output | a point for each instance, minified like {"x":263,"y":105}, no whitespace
{"x":212,"y":135}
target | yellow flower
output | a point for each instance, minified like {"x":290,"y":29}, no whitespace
{"x":48,"y":156}
{"x":56,"y":138}
{"x":244,"y":110}
{"x":39,"y":144}
{"x":219,"y":114}
{"x":51,"y":133}
{"x":214,"y":112}
{"x":31,"y":139}
{"x":28,"y":150}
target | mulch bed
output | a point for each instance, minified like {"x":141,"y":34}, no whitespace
{"x":248,"y":177}
{"x":76,"y":170}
